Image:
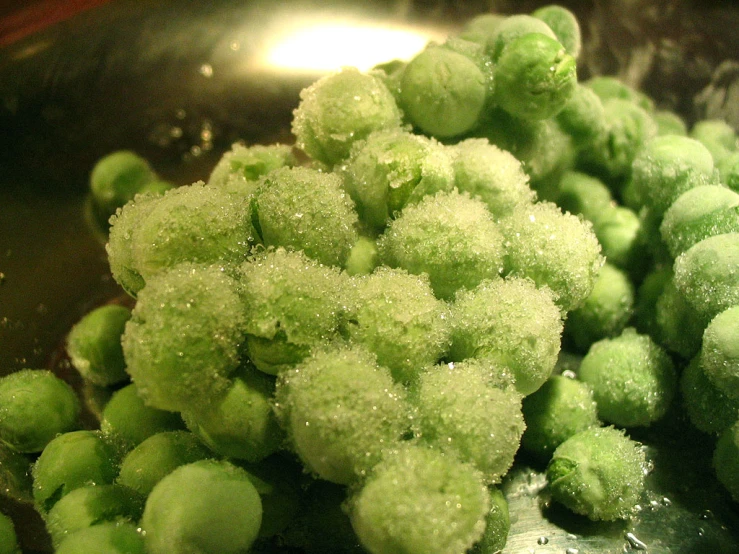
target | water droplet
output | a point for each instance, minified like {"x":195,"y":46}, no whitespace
{"x":634,"y":542}
{"x":206,"y":70}
{"x":572,"y":551}
{"x":542,"y":541}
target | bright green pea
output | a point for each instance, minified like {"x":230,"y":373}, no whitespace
{"x":94,"y":345}
{"x":534,"y":77}
{"x":564,"y":25}
{"x":35,"y":406}
{"x":117,"y":178}
{"x":598,"y":473}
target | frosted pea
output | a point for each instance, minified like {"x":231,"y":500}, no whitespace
{"x":420,"y":500}
{"x":184,"y":338}
{"x":481,"y":27}
{"x":363,"y":257}
{"x":338,"y":110}
{"x":497,"y":525}
{"x":451,"y":237}
{"x":679,"y":326}
{"x":621,"y":236}
{"x":291,"y":304}
{"x":564,"y":24}
{"x":208,"y":507}
{"x":511,"y":322}
{"x":697,"y":214}
{"x":598,"y":473}
{"x":561,"y":408}
{"x":583,"y":116}
{"x":645,"y":303}
{"x":111,"y":538}
{"x":605,"y":311}
{"x":159,"y":455}
{"x":127,"y":421}
{"x":632,"y":378}
{"x":720,"y":352}
{"x":69,"y":461}
{"x":443,"y":92}
{"x":729,"y":171}
{"x":117,"y":178}
{"x":92,"y":505}
{"x":395,"y":315}
{"x":305,"y":209}
{"x":709,"y":409}
{"x":8,"y":538}
{"x":534,"y":77}
{"x":580,"y":193}
{"x":706,"y":274}
{"x":460,"y":412}
{"x":669,"y":123}
{"x":491,"y":174}
{"x":669,"y":165}
{"x":35,"y":406}
{"x":239,"y":424}
{"x":718,"y":136}
{"x":393,"y":168}
{"x":513,"y":27}
{"x":552,"y":248}
{"x":726,"y":460}
{"x":94,"y":345}
{"x":342,"y":412}
{"x":250,"y":162}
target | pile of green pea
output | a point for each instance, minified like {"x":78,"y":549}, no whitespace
{"x":345,"y":354}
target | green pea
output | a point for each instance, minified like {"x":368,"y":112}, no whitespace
{"x":726,"y":460}
{"x":580,"y":193}
{"x":709,"y":409}
{"x":598,"y":473}
{"x":15,"y":475}
{"x":251,"y":162}
{"x":117,"y":178}
{"x":363,"y":257}
{"x":679,"y":326}
{"x":111,"y":538}
{"x":720,"y":352}
{"x":35,"y":406}
{"x":94,"y":345}
{"x":718,"y":136}
{"x":513,"y":27}
{"x":583,"y":116}
{"x":608,"y":87}
{"x":564,"y":25}
{"x":8,"y":538}
{"x":497,"y":525}
{"x":669,"y":123}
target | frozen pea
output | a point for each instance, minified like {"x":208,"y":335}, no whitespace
{"x":451,"y":237}
{"x":251,"y":162}
{"x":709,"y":409}
{"x":322,"y":526}
{"x":278,"y":481}
{"x":718,"y":136}
{"x":645,"y":302}
{"x":159,"y":455}
{"x":728,"y":169}
{"x":395,"y":315}
{"x":561,"y":408}
{"x":111,"y":538}
{"x":94,"y":345}
{"x":481,"y":27}
{"x":35,"y":406}
{"x":555,"y":249}
{"x":583,"y":116}
{"x":363,"y":257}
{"x":720,"y":352}
{"x":669,"y":123}
{"x":393,"y":168}
{"x":534,"y":77}
{"x":15,"y":475}
{"x":338,"y":110}
{"x":8,"y":538}
{"x":491,"y":174}
{"x":92,"y":505}
{"x":632,"y":378}
{"x":669,"y":165}
{"x":608,"y":87}
{"x":628,"y":128}
{"x":706,"y":274}
{"x":620,"y":234}
{"x":475,"y":52}
{"x":679,"y":326}
{"x":390,"y":74}
{"x":420,"y":500}
{"x":598,"y":473}
{"x":291,"y":304}
{"x":308,"y":210}
{"x":70,"y":461}
{"x":726,"y":460}
{"x":184,"y":337}
{"x":127,"y":421}
{"x":513,"y":27}
{"x":697,"y":214}
{"x":240,"y":424}
{"x":460,"y":412}
{"x":497,"y":525}
{"x":512,"y":323}
{"x":443,"y":92}
{"x":117,"y":178}
{"x":564,"y":24}
{"x":605,"y":311}
{"x":342,"y":412}
{"x":580,"y":193}
{"x":206,"y":507}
